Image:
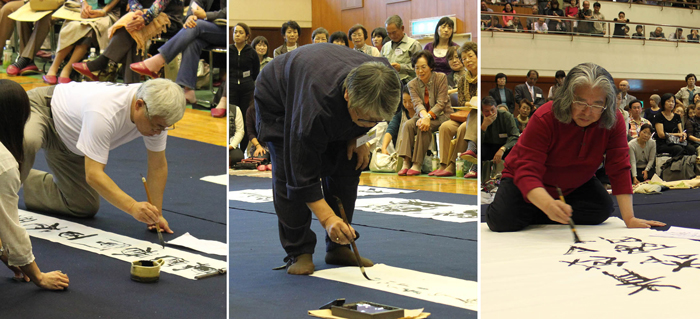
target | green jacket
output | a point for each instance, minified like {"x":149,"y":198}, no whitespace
{"x":503,"y":131}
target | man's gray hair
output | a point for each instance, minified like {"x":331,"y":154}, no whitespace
{"x":163,"y":98}
{"x":395,"y":20}
{"x":656,"y":98}
{"x":585,"y":74}
{"x":374,"y":88}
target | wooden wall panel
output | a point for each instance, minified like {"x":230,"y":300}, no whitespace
{"x":349,"y":18}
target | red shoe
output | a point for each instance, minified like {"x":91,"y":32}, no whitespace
{"x":140,"y":68}
{"x":12,"y":70}
{"x":402,"y":172}
{"x":469,"y":156}
{"x":64,"y":80}
{"x":262,"y":168}
{"x":269,"y":167}
{"x":433,"y":173}
{"x":49,"y":79}
{"x":81,"y":67}
{"x":31,"y":68}
{"x":471,"y":174}
{"x":444,"y":173}
{"x":218,"y":112}
{"x":412,"y":173}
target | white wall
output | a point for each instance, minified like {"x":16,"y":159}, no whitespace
{"x":516,"y":53}
{"x":270,"y":13}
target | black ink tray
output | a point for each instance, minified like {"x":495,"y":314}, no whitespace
{"x":367,"y":310}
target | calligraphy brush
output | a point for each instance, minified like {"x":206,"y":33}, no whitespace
{"x":571,"y":220}
{"x":148,"y":195}
{"x":352,"y":241}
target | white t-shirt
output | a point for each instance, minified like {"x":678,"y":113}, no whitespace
{"x":14,"y":237}
{"x":92,"y":118}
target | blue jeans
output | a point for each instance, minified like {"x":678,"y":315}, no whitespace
{"x":191,"y":41}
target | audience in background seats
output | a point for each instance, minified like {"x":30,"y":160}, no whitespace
{"x":501,"y":94}
{"x":677,"y":36}
{"x":379,"y":37}
{"x":523,"y":115}
{"x":539,"y":26}
{"x":668,"y":124}
{"x":397,"y":122}
{"x":320,"y":35}
{"x":570,"y":11}
{"x":543,"y":6}
{"x":430,"y":100}
{"x":686,"y":93}
{"x":680,"y":110}
{"x":339,"y":38}
{"x":599,"y":28}
{"x":642,"y":155}
{"x":559,"y":77}
{"x":529,"y":91}
{"x":693,"y":36}
{"x":7,"y":25}
{"x":78,"y":36}
{"x":235,"y":135}
{"x":30,"y":41}
{"x":401,"y":49}
{"x":653,"y":109}
{"x":619,"y":31}
{"x":290,"y":31}
{"x":244,"y":66}
{"x":657,"y":34}
{"x":261,"y":46}
{"x":625,"y":97}
{"x":146,"y":24}
{"x":692,"y":127}
{"x":485,"y":18}
{"x":508,"y":22}
{"x":636,"y":119}
{"x":530,"y":21}
{"x":458,"y":70}
{"x":555,"y":25}
{"x":585,"y":27}
{"x":499,"y":132}
{"x":358,"y":35}
{"x":254,"y":149}
{"x":442,"y":41}
{"x":639,"y":32}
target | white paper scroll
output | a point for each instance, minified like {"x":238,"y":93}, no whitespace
{"x":216,"y":179}
{"x":374,"y":191}
{"x":415,"y":284}
{"x":679,"y":232}
{"x":203,"y":245}
{"x":419,"y":209}
{"x":265,"y":195}
{"x":124,"y":248}
{"x":615,"y":273}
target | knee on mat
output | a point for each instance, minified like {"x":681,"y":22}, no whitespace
{"x":502,"y":224}
{"x":85,"y":210}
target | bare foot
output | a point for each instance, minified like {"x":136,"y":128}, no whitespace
{"x":303,"y":266}
{"x":343,"y":256}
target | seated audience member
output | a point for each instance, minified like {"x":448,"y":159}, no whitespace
{"x":197,"y":34}
{"x":501,"y":94}
{"x":619,"y":31}
{"x":599,"y":28}
{"x":339,"y":38}
{"x":290,"y":31}
{"x":498,"y":132}
{"x":320,"y":35}
{"x":529,"y":91}
{"x":677,"y":36}
{"x":639,"y":32}
{"x":530,"y":21}
{"x":693,"y":36}
{"x":458,"y":69}
{"x":642,"y":155}
{"x":244,"y":68}
{"x":692,"y":127}
{"x":261,"y":46}
{"x":402,"y":115}
{"x":636,"y":119}
{"x":7,"y":25}
{"x":653,"y":109}
{"x":255,"y":149}
{"x":657,"y":34}
{"x":485,"y":18}
{"x":668,"y":124}
{"x":444,"y":30}
{"x":570,"y":11}
{"x":77,"y":36}
{"x":379,"y":37}
{"x":235,"y":134}
{"x":680,"y":110}
{"x":523,"y":114}
{"x":430,"y":99}
{"x":555,"y":25}
{"x":559,"y":77}
{"x":358,"y":35}
{"x":686,"y":93}
{"x":696,"y":98}
{"x":539,"y":26}
{"x":508,"y":22}
{"x":585,"y":13}
{"x":145,"y":24}
{"x":502,"y":107}
{"x":30,"y":39}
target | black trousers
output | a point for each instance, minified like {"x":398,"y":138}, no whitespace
{"x":339,"y":178}
{"x":673,"y":149}
{"x":234,"y":156}
{"x":488,"y":150}
{"x":242,"y":95}
{"x":591,"y":203}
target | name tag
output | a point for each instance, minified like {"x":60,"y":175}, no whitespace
{"x":246,"y":74}
{"x":503,"y":135}
{"x":364,"y":139}
{"x":538,"y":95}
{"x":398,"y":51}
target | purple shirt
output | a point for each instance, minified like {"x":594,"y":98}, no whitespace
{"x":441,"y":64}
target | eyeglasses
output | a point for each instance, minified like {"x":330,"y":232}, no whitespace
{"x":156,"y":128}
{"x":582,"y":106}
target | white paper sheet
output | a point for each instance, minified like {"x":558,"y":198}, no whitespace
{"x":374,"y":191}
{"x":203,"y":245}
{"x":419,"y":209}
{"x":124,"y":248}
{"x":216,"y":179}
{"x":415,"y":284}
{"x":679,"y":232}
{"x":616,"y":273}
{"x":251,"y":195}
{"x":26,"y":14}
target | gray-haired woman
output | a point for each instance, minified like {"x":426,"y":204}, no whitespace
{"x":563,"y":147}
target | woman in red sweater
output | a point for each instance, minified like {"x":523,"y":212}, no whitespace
{"x":563,"y":146}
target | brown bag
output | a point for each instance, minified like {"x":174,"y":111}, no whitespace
{"x":459,"y":116}
{"x":45,"y":5}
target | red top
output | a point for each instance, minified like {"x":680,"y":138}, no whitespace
{"x":576,"y":153}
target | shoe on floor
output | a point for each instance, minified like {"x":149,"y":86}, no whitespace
{"x":471,"y":174}
{"x":469,"y":156}
{"x":218,"y":112}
